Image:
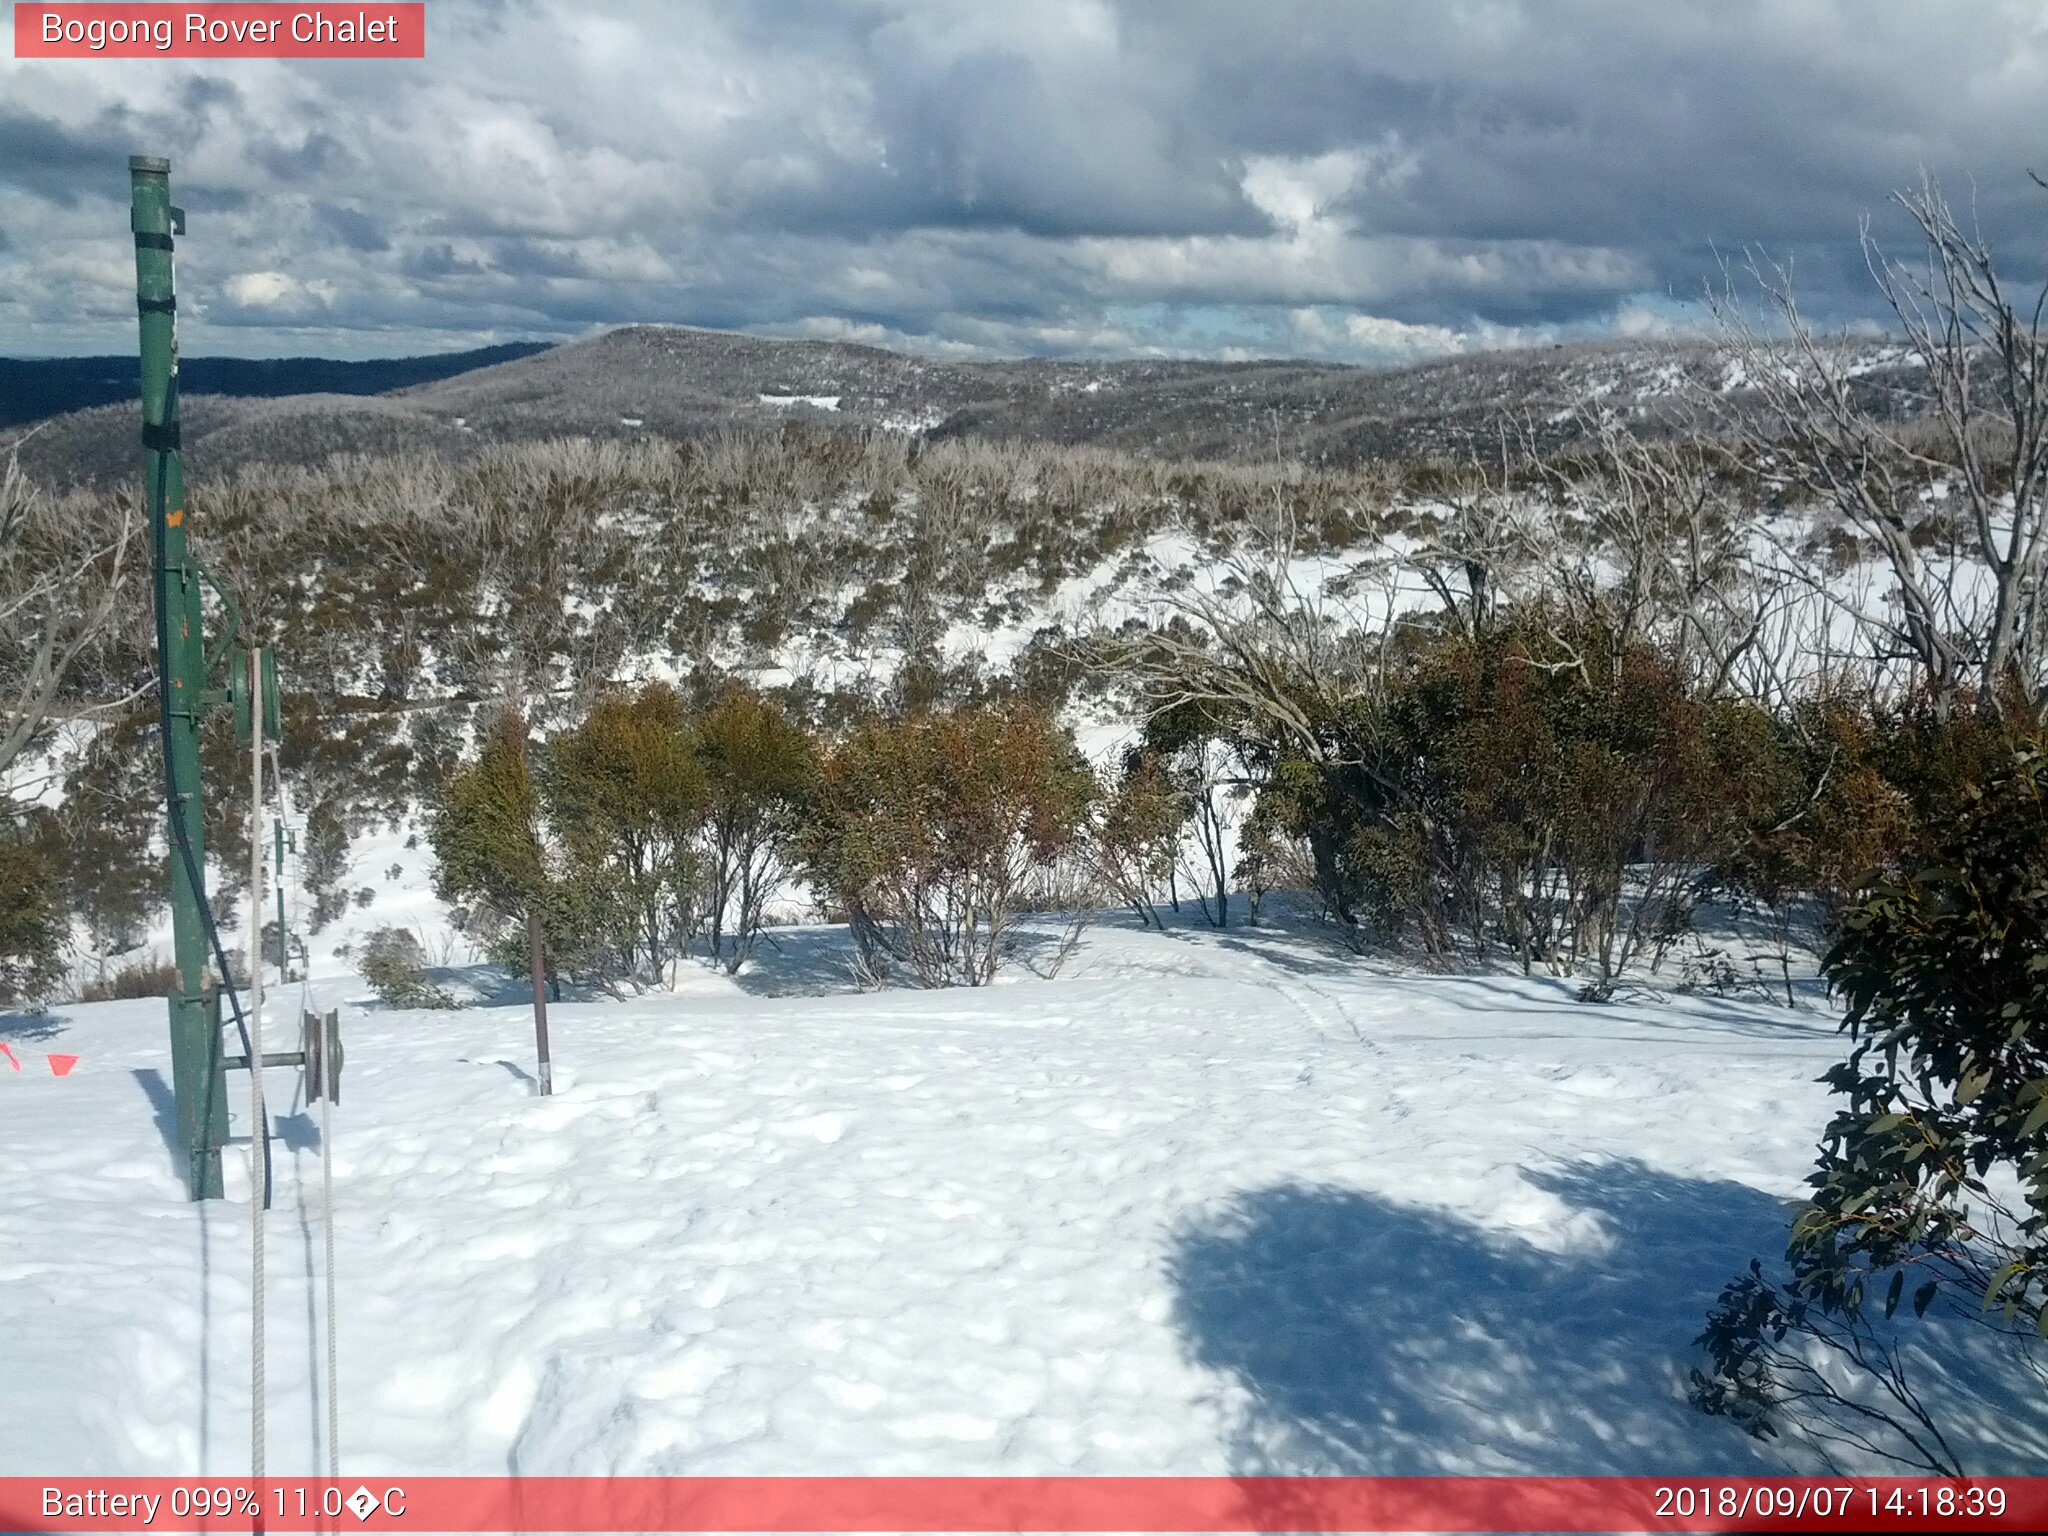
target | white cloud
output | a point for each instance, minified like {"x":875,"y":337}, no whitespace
{"x":1377,"y":333}
{"x":1640,"y":319}
{"x":1306,"y":193}
{"x":1296,"y":194}
{"x":277,"y":291}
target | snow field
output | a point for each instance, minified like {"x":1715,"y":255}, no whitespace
{"x":1208,"y":1203}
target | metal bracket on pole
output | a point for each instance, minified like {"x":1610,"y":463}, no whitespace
{"x":322,"y":1056}
{"x":241,"y":696}
{"x":231,"y":608}
{"x":319,"y":1053}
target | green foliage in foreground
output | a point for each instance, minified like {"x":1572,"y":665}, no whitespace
{"x":1945,"y":974}
{"x":1943,"y":1104}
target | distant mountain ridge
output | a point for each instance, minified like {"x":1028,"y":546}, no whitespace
{"x":682,"y":382}
{"x":34,"y":388}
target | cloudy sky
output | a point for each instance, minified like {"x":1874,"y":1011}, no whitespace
{"x":1357,"y":180}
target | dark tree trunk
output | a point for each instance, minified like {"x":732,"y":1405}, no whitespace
{"x":536,"y":960}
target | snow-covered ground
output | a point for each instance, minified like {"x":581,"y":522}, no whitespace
{"x":1204,"y":1203}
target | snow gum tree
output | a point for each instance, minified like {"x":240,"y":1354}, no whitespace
{"x":628,"y":794}
{"x":63,"y":574}
{"x":760,"y":768}
{"x":486,"y":835}
{"x":62,"y":577}
{"x":1197,"y":751}
{"x":929,"y":829}
{"x":1138,"y":833}
{"x":1949,"y":485}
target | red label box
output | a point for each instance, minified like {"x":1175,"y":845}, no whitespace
{"x":109,"y":29}
{"x":772,"y":1506}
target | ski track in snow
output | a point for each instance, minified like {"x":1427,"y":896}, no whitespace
{"x":1208,"y":1203}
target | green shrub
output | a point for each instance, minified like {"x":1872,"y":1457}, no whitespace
{"x":622,"y":798}
{"x":395,"y":967}
{"x":33,"y":932}
{"x":1943,"y":1105}
{"x":760,"y":771}
{"x":138,"y":978}
{"x":1535,"y":789}
{"x":928,"y":829}
{"x":642,"y":828}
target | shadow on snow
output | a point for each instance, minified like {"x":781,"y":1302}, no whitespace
{"x":1371,"y":1337}
{"x":19,"y":1028}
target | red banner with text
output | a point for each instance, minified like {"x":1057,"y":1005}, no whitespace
{"x":1062,"y":1504}
{"x":96,"y":29}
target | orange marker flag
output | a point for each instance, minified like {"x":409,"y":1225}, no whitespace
{"x":61,"y":1066}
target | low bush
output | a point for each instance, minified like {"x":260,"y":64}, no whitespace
{"x":1532,"y":790}
{"x":395,"y":967}
{"x":930,"y":829}
{"x":138,"y":978}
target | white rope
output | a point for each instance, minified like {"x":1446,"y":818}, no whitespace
{"x":306,"y":1010}
{"x":259,"y":1122}
{"x":327,"y":1221}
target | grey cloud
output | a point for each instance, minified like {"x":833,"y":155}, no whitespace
{"x":1178,"y":175}
{"x":1663,"y":130}
{"x":202,"y":201}
{"x":60,"y":162}
{"x":354,"y":228}
{"x":440,"y":260}
{"x":318,"y":154}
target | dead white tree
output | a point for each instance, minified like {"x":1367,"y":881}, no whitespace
{"x":1250,"y":641}
{"x":1947,"y":480}
{"x":1653,"y":543}
{"x":1479,"y":540}
{"x":60,"y":587}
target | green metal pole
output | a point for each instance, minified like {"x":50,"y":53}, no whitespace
{"x":198,"y":1078}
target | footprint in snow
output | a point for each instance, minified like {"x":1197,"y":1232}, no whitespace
{"x":824,"y":1129}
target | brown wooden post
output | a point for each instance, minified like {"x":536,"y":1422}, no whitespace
{"x":536,"y":950}
{"x":537,"y":961}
